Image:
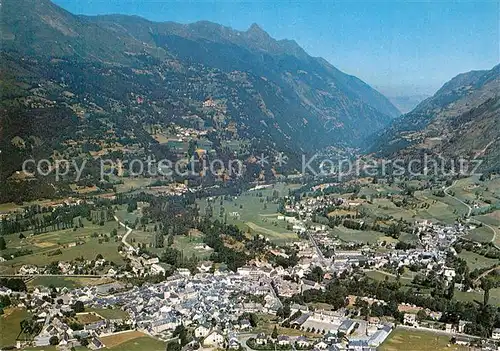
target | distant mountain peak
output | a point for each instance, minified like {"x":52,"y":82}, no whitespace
{"x":255,"y":29}
{"x":260,"y":36}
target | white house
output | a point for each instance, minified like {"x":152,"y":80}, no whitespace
{"x":201,"y":331}
{"x":283,"y":340}
{"x":496,"y":334}
{"x":157,"y":269}
{"x":261,"y":339}
{"x":214,"y":339}
{"x":410,"y":319}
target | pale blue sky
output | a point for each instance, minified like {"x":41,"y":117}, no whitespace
{"x":398,"y":47}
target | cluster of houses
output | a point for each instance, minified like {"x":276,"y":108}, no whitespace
{"x":214,"y":305}
{"x":215,"y":300}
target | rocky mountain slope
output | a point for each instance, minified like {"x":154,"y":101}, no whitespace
{"x":461,"y":120}
{"x":271,"y":89}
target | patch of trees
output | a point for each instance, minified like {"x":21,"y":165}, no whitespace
{"x":13,"y":284}
{"x":400,"y":245}
{"x":223,"y":254}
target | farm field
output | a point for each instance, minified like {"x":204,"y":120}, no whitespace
{"x":44,"y":244}
{"x":472,"y":189}
{"x":481,"y":234}
{"x":492,"y":218}
{"x":135,"y":342}
{"x":131,"y":184}
{"x":10,"y":325}
{"x":478,"y":296}
{"x":109,"y":313}
{"x":139,"y":344}
{"x":406,"y":278}
{"x":441,"y":209}
{"x":87,"y":318}
{"x":118,"y":339}
{"x":416,"y":340}
{"x":360,"y":236}
{"x":475,"y":261}
{"x":251,"y":213}
{"x":438,"y":210}
{"x":385,"y":207}
{"x":67,"y":282}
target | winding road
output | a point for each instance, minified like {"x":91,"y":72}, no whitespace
{"x":469,"y":209}
{"x":124,"y":238}
{"x":469,"y":212}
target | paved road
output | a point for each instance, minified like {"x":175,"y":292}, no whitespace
{"x":124,"y":239}
{"x":469,"y":209}
{"x":494,"y":232}
{"x":243,"y":338}
{"x":469,"y":212}
{"x":51,"y":275}
{"x":486,"y":273}
{"x":320,"y":253}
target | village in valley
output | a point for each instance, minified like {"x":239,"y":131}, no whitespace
{"x":188,"y":186}
{"x":355,"y":265}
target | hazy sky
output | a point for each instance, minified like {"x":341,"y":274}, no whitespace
{"x":399,"y":47}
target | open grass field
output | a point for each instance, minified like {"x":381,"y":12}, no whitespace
{"x":478,"y":296}
{"x":385,"y":207}
{"x":10,"y":325}
{"x":475,"y":261}
{"x":67,"y":282}
{"x":416,"y":340}
{"x":139,"y":236}
{"x":109,"y":313}
{"x":408,"y":238}
{"x":251,"y":213}
{"x":124,"y":216}
{"x":57,"y":282}
{"x":481,"y":234}
{"x":87,"y":318}
{"x":278,"y":235}
{"x":360,"y":236}
{"x":139,"y":344}
{"x":492,"y":218}
{"x":438,"y":211}
{"x":370,"y":189}
{"x":44,"y":244}
{"x":405,"y":278}
{"x":441,"y":209}
{"x":117,"y":339}
{"x":8,"y":207}
{"x":472,"y":189}
{"x":131,"y":184}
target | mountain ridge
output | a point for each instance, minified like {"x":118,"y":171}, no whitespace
{"x":125,"y":72}
{"x":255,"y":38}
{"x":460,"y":120}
